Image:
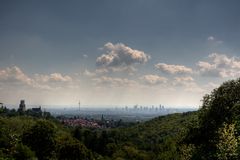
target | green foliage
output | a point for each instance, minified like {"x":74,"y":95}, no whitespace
{"x":160,"y":135}
{"x":218,"y":107}
{"x":216,"y":136}
{"x":41,"y":139}
{"x":11,"y":129}
{"x":71,"y":149}
{"x":156,"y":139}
{"x":27,"y":137}
{"x":23,"y":152}
{"x":227,"y":144}
{"x":77,"y":133}
{"x":22,"y":136}
{"x":187,"y":151}
{"x":131,"y":153}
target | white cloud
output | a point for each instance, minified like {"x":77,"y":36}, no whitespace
{"x":58,"y":77}
{"x":101,"y":71}
{"x":195,"y":88}
{"x":114,"y":82}
{"x":153,"y":79}
{"x":220,"y":65}
{"x":184,"y":79}
{"x":53,"y":81}
{"x":207,"y":69}
{"x":52,"y":78}
{"x":210,"y":38}
{"x":85,"y":56}
{"x":214,"y":40}
{"x":227,"y":73}
{"x":205,"y":65}
{"x":210,"y":86}
{"x":97,"y":72}
{"x":188,"y":84}
{"x":221,"y":60}
{"x":14,"y":75}
{"x":173,"y":69}
{"x":89,"y":74}
{"x":120,"y":57}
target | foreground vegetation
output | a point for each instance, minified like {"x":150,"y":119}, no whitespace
{"x":210,"y":133}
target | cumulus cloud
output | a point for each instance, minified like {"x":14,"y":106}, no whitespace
{"x":14,"y":75}
{"x":120,"y":57}
{"x":89,"y":74}
{"x":221,"y":60}
{"x":114,"y":82}
{"x":153,"y":79}
{"x":183,"y":81}
{"x":207,"y":69}
{"x":95,"y":73}
{"x":52,"y":78}
{"x":188,"y":83}
{"x":101,"y":71}
{"x":173,"y":69}
{"x":52,"y":81}
{"x":220,"y":65}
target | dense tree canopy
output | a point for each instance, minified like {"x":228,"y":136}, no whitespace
{"x":41,"y":139}
{"x":220,"y":109}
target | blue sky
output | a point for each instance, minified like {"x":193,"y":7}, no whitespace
{"x":117,"y":52}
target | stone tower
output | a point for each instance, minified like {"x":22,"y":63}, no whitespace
{"x":22,"y":106}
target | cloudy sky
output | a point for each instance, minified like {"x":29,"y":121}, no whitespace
{"x":111,"y":52}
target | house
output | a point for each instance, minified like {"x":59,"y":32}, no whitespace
{"x":37,"y":110}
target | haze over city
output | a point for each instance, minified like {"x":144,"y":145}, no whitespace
{"x":117,"y":52}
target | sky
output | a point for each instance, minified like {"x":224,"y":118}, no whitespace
{"x":113,"y":52}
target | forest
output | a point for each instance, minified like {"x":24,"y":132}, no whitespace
{"x":212,"y":132}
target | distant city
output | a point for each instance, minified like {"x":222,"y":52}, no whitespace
{"x":134,"y":113}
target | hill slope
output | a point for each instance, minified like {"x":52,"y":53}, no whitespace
{"x":154,"y":139}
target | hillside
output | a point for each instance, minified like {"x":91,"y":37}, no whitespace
{"x":20,"y":136}
{"x":160,"y":135}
